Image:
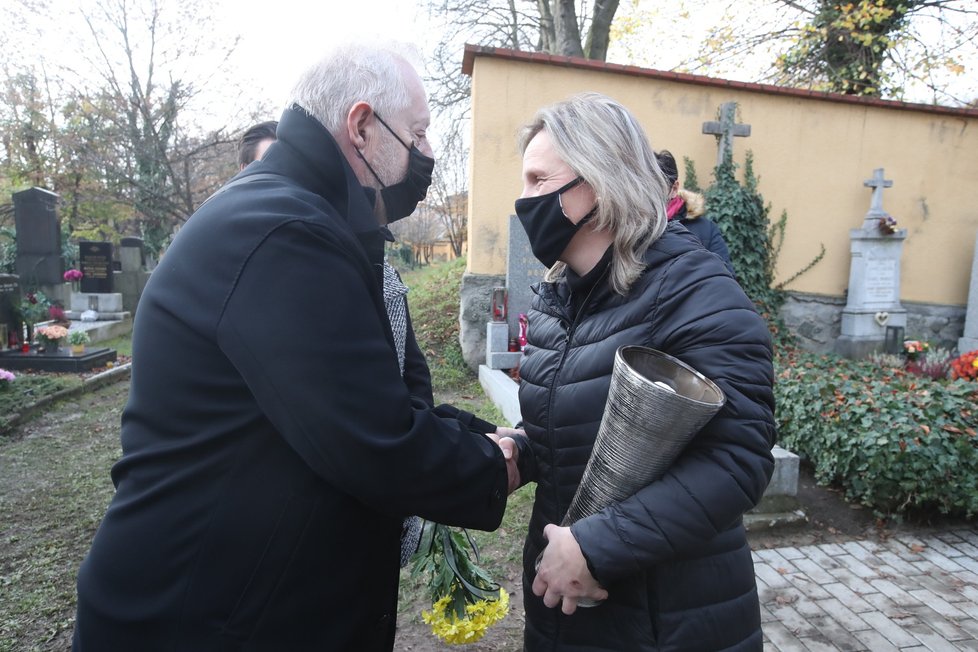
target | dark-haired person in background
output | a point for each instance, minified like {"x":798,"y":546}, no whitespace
{"x":689,"y":208}
{"x":254,"y":142}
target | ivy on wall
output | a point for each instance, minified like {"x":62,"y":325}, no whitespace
{"x":739,"y":211}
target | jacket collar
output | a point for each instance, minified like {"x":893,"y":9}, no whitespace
{"x":309,"y":155}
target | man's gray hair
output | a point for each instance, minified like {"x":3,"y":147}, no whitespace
{"x":605,"y":145}
{"x":354,"y":72}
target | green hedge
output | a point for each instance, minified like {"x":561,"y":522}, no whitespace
{"x":894,"y":441}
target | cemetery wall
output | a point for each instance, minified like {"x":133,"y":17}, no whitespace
{"x":812,"y":151}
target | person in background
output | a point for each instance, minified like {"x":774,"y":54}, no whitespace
{"x":254,"y":141}
{"x":271,"y":448}
{"x":672,"y":562}
{"x":688,"y":208}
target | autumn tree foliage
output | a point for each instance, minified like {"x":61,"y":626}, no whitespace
{"x":869,"y":47}
{"x":107,"y":120}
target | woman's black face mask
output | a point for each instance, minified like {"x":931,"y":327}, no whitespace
{"x":546,"y":226}
{"x":401,"y":198}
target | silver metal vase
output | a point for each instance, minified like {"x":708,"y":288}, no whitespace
{"x":656,"y":405}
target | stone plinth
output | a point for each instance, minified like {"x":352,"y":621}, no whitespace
{"x":498,"y":355}
{"x":107,"y":302}
{"x":476,"y":301}
{"x":503,"y":391}
{"x":108,"y":305}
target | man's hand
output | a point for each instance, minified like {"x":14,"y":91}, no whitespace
{"x":563,"y":577}
{"x":504,"y":438}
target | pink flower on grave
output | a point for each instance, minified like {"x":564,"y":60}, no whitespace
{"x":50,"y":334}
{"x":73,"y":275}
{"x":56,"y":312}
{"x":6,"y":378}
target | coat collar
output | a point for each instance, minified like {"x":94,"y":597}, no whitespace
{"x":309,"y":155}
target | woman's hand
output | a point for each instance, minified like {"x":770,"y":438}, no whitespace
{"x":563,"y":576}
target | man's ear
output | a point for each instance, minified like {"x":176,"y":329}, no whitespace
{"x":357,"y":119}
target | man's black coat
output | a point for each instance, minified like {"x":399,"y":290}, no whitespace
{"x":271,"y":447}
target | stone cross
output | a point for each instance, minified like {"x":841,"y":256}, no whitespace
{"x":726,"y":129}
{"x":877,"y":183}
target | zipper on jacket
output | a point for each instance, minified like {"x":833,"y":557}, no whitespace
{"x":550,"y":428}
{"x":553,"y":385}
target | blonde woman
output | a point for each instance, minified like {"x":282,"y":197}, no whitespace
{"x":671,"y":562}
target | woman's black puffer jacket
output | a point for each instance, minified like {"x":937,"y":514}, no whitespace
{"x":674,"y":557}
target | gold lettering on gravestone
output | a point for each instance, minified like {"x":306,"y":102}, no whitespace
{"x":97,"y":265}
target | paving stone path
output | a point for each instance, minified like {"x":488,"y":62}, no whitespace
{"x":904,"y":593}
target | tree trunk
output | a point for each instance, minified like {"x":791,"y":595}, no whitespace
{"x":568,"y":35}
{"x":598,"y":36}
{"x":548,"y":37}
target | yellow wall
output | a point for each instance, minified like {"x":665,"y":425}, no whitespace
{"x":811,"y":153}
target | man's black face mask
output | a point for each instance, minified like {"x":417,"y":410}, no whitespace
{"x":400,"y":199}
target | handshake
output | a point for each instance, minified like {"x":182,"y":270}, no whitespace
{"x":505,"y":438}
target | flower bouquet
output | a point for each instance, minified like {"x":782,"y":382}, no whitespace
{"x":465,"y":599}
{"x":51,"y":336}
{"x":33,"y":308}
{"x":887,"y":225}
{"x":73,"y":276}
{"x":6,"y":378}
{"x":78,"y":340}
{"x":914,"y":349}
{"x":965,"y":366}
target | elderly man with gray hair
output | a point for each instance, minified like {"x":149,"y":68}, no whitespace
{"x":279,"y":427}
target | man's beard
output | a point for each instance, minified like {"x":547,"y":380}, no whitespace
{"x":390,"y":170}
{"x":388,"y":163}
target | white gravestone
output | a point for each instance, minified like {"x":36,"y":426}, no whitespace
{"x":970,"y":340}
{"x":873,"y":302}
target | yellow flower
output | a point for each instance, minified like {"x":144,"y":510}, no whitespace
{"x":478,"y":618}
{"x":466,"y":600}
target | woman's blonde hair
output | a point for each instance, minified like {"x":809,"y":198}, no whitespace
{"x":605,"y":145}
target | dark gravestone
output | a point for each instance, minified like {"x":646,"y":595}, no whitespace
{"x":63,"y":362}
{"x":522,"y":271}
{"x":9,"y":301}
{"x":95,"y":260}
{"x":38,"y":237}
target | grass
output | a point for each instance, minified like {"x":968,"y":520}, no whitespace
{"x":55,"y":486}
{"x":434,"y":302}
{"x":30,"y":386}
{"x":25,"y":390}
